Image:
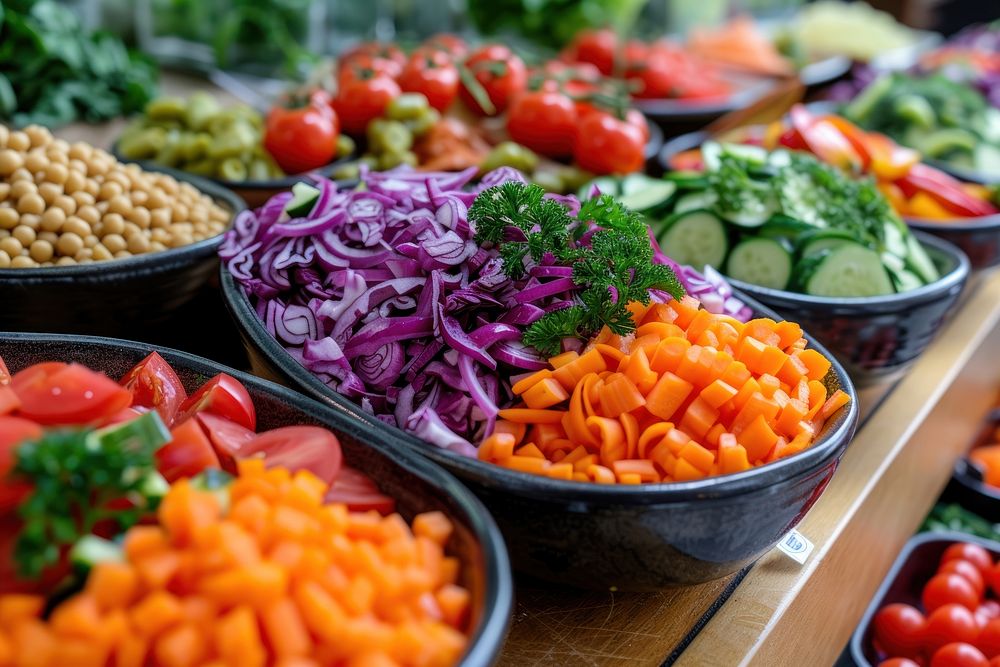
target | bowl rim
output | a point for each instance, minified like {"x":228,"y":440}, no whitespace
{"x":979,"y":223}
{"x":956,"y":276}
{"x":833,"y":440}
{"x":489,"y":637}
{"x":170,"y":256}
{"x":754,"y":87}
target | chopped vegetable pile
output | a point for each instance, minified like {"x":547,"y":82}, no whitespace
{"x":955,"y":517}
{"x":959,"y":619}
{"x":689,"y":395}
{"x":259,"y":571}
{"x":784,"y":220}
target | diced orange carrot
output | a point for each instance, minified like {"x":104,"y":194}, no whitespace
{"x":668,"y":395}
{"x":620,"y":395}
{"x":641,"y":467}
{"x":158,"y":611}
{"x":661,"y":330}
{"x":788,"y":333}
{"x":838,"y":400}
{"x":601,"y":475}
{"x":713,"y":435}
{"x":612,"y":355}
{"x":763,"y":330}
{"x":732,"y":457}
{"x":527,"y":383}
{"x":790,"y":416}
{"x":748,"y":389}
{"x":560,"y":471}
{"x":15,"y":607}
{"x":817,"y":364}
{"x":699,"y":324}
{"x":183,"y":646}
{"x":285,"y":630}
{"x":757,"y":438}
{"x":455,"y":604}
{"x":652,"y":436}
{"x":768,"y":385}
{"x":574,"y":371}
{"x":758,"y":404}
{"x":526,"y":464}
{"x":684,"y":471}
{"x":531,"y":450}
{"x":792,"y":371}
{"x":668,"y":355}
{"x":770,"y":361}
{"x":79,"y":616}
{"x":664,"y":458}
{"x":640,"y":373}
{"x":237,"y":638}
{"x":749,"y":352}
{"x":698,"y":456}
{"x":544,"y":394}
{"x":561,"y":360}
{"x":515,"y":429}
{"x":736,"y":374}
{"x":699,"y":418}
{"x":717,"y":393}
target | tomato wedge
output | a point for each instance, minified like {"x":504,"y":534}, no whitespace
{"x":187,"y":454}
{"x":228,"y":438}
{"x":224,"y":396}
{"x":299,"y":448}
{"x":122,"y":416}
{"x":70,"y":394}
{"x":357,"y":490}
{"x":9,"y":402}
{"x":13,"y":431}
{"x":154,"y":384}
{"x":4,"y":373}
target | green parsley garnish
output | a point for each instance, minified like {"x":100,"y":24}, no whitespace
{"x":76,"y":474}
{"x":606,"y":244}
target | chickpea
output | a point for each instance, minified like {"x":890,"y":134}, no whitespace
{"x":90,"y":240}
{"x":156,"y":246}
{"x":83,"y":255}
{"x":139,"y":197}
{"x":69,"y":244}
{"x":56,"y":157}
{"x":121,"y":254}
{"x":76,"y":225}
{"x":120,"y":178}
{"x":74,"y":182}
{"x":24,"y":234}
{"x":88,"y":214}
{"x":18,"y":141}
{"x":131,"y":229}
{"x":168,"y":185}
{"x":159,"y":218}
{"x":60,"y":146}
{"x":199,"y":213}
{"x":56,"y":173}
{"x":4,"y":190}
{"x":140,"y":216}
{"x":31,"y":202}
{"x":41,"y":251}
{"x":22,"y":262}
{"x":180,"y":213}
{"x":80,"y":151}
{"x":21,"y":174}
{"x":36,"y":161}
{"x":66,"y":203}
{"x":22,"y":188}
{"x":157,"y":199}
{"x":4,"y":233}
{"x":180,"y":239}
{"x":51,"y":237}
{"x":83,"y":198}
{"x":78,"y":166}
{"x":4,"y":257}
{"x":138,"y":244}
{"x":8,"y":218}
{"x":49,"y":192}
{"x":31,"y":221}
{"x":38,"y":135}
{"x":92,"y":188}
{"x":114,"y":242}
{"x":11,"y":246}
{"x":109,"y":190}
{"x":114,"y":223}
{"x":121,"y":205}
{"x":65,"y":261}
{"x":97,"y":166}
{"x":158,"y":235}
{"x":101,"y":253}
{"x":10,"y":161}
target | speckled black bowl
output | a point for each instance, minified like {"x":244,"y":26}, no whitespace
{"x":637,"y":538}
{"x":966,"y":486}
{"x":877,"y":338}
{"x":979,"y":238}
{"x":117,"y":297}
{"x":417,"y":484}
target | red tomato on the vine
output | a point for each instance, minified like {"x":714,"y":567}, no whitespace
{"x":959,"y":654}
{"x":543,"y":121}
{"x":501,"y":74}
{"x":899,"y":630}
{"x":363,"y":97}
{"x":607,"y":145}
{"x":596,"y":47}
{"x":432,"y":74}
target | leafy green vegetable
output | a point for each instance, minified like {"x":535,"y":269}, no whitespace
{"x":52,"y":72}
{"x":553,"y":23}
{"x":75,"y":475}
{"x":956,"y":517}
{"x":606,"y":244}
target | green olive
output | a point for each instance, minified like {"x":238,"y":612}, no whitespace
{"x":232,"y":169}
{"x":346,"y":171}
{"x":510,"y":154}
{"x":407,"y":106}
{"x":345,"y":146}
{"x":424,"y":122}
{"x":389,"y":136}
{"x":549,"y":180}
{"x":166,"y":108}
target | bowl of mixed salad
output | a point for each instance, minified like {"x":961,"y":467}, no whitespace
{"x":543,"y":349}
{"x":239,"y":521}
{"x":806,"y":238}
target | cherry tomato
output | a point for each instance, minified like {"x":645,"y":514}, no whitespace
{"x":299,"y":448}
{"x":67,"y":394}
{"x":967,"y":571}
{"x":950,"y":623}
{"x":989,"y":638}
{"x":386,"y":59}
{"x":228,"y":438}
{"x":187,"y":454}
{"x":4,"y":373}
{"x":453,"y":45}
{"x":362,"y":98}
{"x":991,"y":608}
{"x":898,"y":662}
{"x":959,"y":654}
{"x":223,"y":395}
{"x":303,"y":137}
{"x":13,"y":432}
{"x":992,"y":576}
{"x":500,"y":72}
{"x":543,"y":121}
{"x":154,"y":385}
{"x":973,"y":553}
{"x":596,"y":47}
{"x":945,"y":589}
{"x":432,"y":74}
{"x":636,"y":117}
{"x":899,"y":630}
{"x":606,"y":145}
{"x":357,"y":490}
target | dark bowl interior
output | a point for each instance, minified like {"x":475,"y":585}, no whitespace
{"x":116,"y":297}
{"x":879,"y":337}
{"x":916,"y":564}
{"x":979,"y":238}
{"x":417,"y":484}
{"x":639,"y":538}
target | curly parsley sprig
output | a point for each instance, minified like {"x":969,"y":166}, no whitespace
{"x":606,"y":244}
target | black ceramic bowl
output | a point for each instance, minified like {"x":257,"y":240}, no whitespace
{"x":116,"y":297}
{"x":638,"y":538}
{"x":916,"y":564}
{"x":979,"y":238}
{"x":966,"y":486}
{"x":417,"y":484}
{"x":878,"y":337}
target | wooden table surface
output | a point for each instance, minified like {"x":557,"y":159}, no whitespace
{"x":891,"y":475}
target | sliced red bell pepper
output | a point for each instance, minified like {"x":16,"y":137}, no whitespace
{"x":857,"y":137}
{"x":824,"y":140}
{"x":889,"y":160}
{"x":946,"y":190}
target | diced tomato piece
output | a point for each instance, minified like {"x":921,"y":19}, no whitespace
{"x":227,"y":437}
{"x":67,"y":394}
{"x":154,"y":385}
{"x":187,"y":454}
{"x":4,"y":373}
{"x":357,"y":490}
{"x":9,"y":402}
{"x":224,"y":396}
{"x":309,"y":448}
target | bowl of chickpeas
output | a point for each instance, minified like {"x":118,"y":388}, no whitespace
{"x":92,"y":245}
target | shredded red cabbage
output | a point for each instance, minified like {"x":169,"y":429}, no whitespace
{"x":382,"y":292}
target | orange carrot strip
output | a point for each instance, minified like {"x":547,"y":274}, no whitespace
{"x":651,"y":437}
{"x":601,"y":475}
{"x":630,"y":426}
{"x":620,"y":395}
{"x":613,"y":354}
{"x":561,"y":360}
{"x":529,"y":416}
{"x":571,"y":374}
{"x":527,"y":383}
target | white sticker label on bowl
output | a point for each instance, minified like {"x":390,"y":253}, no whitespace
{"x":796,"y":546}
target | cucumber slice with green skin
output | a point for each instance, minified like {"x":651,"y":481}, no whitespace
{"x":918,"y":261}
{"x":696,"y":238}
{"x":893,"y":263}
{"x":695,"y":201}
{"x":752,"y":154}
{"x":825,"y":240}
{"x":946,"y":141}
{"x":760,"y":261}
{"x":91,"y":550}
{"x":710,"y":152}
{"x":894,"y":239}
{"x":303,"y":199}
{"x":786,"y":227}
{"x":687,"y":180}
{"x":753,"y":215}
{"x":849,"y":270}
{"x":905,"y":280}
{"x":641,"y":193}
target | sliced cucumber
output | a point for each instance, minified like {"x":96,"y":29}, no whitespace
{"x":710,"y":152}
{"x":826,"y":239}
{"x":786,"y":227}
{"x":696,"y":238}
{"x":892,"y":237}
{"x":687,"y":180}
{"x":91,"y":550}
{"x":893,"y":263}
{"x":642,"y":193}
{"x":918,"y":261}
{"x":695,"y":201}
{"x":760,"y":261}
{"x":905,"y":280}
{"x":754,"y":214}
{"x":850,"y":269}
{"x":303,"y":199}
{"x":753,"y":154}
